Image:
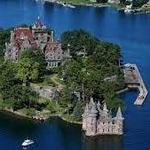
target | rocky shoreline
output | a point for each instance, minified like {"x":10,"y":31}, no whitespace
{"x":17,"y":113}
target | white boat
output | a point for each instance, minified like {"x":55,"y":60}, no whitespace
{"x":27,"y":142}
{"x":71,"y":6}
{"x":68,"y":5}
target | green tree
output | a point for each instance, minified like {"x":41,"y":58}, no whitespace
{"x":4,"y":37}
{"x":139,"y":3}
{"x":78,"y":40}
{"x":7,"y":78}
{"x":31,"y":66}
{"x":86,"y":74}
{"x":22,"y":97}
{"x":78,"y":110}
{"x":12,"y":90}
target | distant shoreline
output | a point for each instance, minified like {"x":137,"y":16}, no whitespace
{"x":100,"y":5}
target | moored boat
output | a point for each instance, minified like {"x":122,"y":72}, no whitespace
{"x":27,"y":142}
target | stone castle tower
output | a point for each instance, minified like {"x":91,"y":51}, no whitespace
{"x":97,"y":120}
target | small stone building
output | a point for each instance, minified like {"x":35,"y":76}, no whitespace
{"x":97,"y":120}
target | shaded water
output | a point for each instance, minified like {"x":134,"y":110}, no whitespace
{"x":54,"y":134}
{"x":131,"y":32}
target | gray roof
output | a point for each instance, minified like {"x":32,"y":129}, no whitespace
{"x":119,"y":114}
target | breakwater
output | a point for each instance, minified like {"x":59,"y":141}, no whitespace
{"x":134,"y":80}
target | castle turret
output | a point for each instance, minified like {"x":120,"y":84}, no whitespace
{"x":91,"y":103}
{"x":91,"y":121}
{"x":119,"y":114}
{"x":119,"y":122}
{"x":52,"y":35}
{"x":84,"y":117}
{"x":105,"y":112}
{"x":98,"y":120}
{"x":12,"y":36}
{"x":98,"y":106}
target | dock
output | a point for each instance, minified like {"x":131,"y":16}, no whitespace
{"x":134,"y":80}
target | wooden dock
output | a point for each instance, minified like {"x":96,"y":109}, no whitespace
{"x":133,"y":79}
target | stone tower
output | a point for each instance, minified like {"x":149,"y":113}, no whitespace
{"x":90,"y":119}
{"x":97,"y":120}
{"x":119,"y":122}
{"x":84,"y":117}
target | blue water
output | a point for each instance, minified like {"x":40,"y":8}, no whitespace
{"x":131,"y":32}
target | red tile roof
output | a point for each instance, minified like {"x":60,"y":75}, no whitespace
{"x":52,"y":46}
{"x":26,"y":32}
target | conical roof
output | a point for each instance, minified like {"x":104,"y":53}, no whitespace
{"x":98,"y":105}
{"x":91,"y":101}
{"x":105,"y":108}
{"x":86,"y":108}
{"x":86,"y":111}
{"x":119,"y":114}
{"x":99,"y":108}
{"x":93,"y":110}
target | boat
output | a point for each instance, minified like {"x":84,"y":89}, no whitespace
{"x":71,"y":6}
{"x":27,"y":142}
{"x":68,"y":5}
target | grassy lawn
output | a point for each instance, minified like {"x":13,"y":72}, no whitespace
{"x":56,"y":80}
{"x":49,"y":80}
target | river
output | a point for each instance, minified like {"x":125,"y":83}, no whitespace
{"x":131,"y":32}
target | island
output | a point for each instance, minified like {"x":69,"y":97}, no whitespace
{"x":78,"y":78}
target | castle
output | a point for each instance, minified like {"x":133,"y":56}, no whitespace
{"x":34,"y":37}
{"x":97,"y":120}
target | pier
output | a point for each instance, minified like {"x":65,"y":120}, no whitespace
{"x":133,"y":79}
